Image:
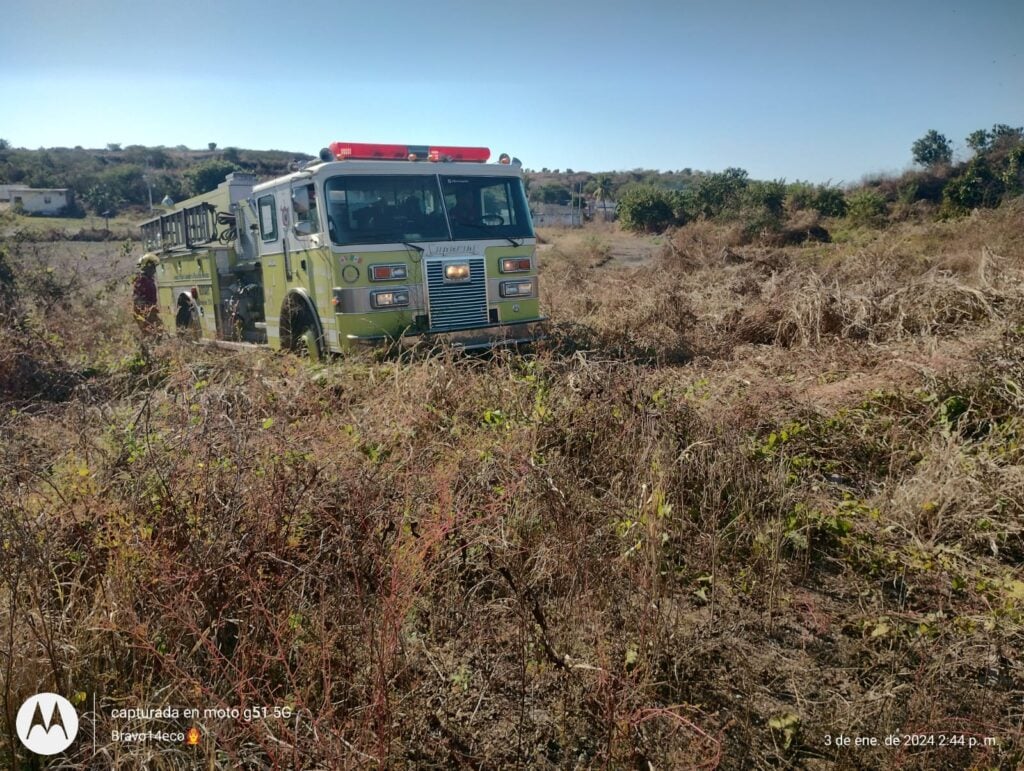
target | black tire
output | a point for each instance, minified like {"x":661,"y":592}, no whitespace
{"x":186,"y":319}
{"x":302,"y":337}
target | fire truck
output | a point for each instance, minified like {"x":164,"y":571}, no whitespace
{"x":369,"y":244}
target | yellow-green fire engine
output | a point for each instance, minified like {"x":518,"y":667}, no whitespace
{"x":370,"y":243}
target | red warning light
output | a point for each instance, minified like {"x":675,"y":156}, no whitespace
{"x":471,"y":154}
{"x":361,"y":151}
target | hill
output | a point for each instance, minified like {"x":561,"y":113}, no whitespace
{"x":116,"y":178}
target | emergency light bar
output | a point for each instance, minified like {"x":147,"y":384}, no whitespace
{"x":344,"y":151}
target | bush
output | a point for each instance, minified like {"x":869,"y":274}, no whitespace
{"x":125,"y":183}
{"x":976,"y":187}
{"x":101,"y":198}
{"x":866,"y":207}
{"x":720,"y":192}
{"x":685,"y":206}
{"x":760,"y":209}
{"x":206,"y":176}
{"x":800,"y":196}
{"x":647,"y":208}
{"x":828,"y":201}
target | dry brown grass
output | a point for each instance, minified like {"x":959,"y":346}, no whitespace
{"x":743,"y":500}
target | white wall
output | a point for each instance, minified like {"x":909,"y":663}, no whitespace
{"x":39,"y":201}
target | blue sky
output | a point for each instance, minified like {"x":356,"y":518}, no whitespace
{"x":792,"y":89}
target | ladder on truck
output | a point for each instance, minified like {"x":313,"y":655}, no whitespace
{"x":187,"y":227}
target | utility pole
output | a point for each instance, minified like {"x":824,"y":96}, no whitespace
{"x":149,"y":186}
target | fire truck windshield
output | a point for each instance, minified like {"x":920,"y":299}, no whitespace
{"x":486,"y":207}
{"x":408,"y":208}
{"x":385,"y":209}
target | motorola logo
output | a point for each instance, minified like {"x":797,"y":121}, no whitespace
{"x":47,"y":723}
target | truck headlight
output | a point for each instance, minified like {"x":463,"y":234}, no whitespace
{"x":389,"y":298}
{"x":456,"y":271}
{"x":516,"y":288}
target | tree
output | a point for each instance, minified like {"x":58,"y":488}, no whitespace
{"x":1002,"y":130}
{"x":979,"y":140}
{"x":603,"y":189}
{"x":933,"y":149}
{"x":206,"y":176}
{"x":114,"y":147}
{"x":551,"y":193}
{"x":212,"y":146}
{"x":719,"y":192}
{"x":646,"y":208}
{"x":100,"y":199}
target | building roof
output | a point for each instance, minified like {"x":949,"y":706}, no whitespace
{"x":23,"y":189}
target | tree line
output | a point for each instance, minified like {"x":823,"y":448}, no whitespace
{"x":993,"y":173}
{"x":115,"y":178}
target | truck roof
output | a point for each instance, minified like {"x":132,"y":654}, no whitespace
{"x":426,"y":168}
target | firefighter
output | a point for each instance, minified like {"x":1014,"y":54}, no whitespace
{"x":144,"y":302}
{"x":465,"y":210}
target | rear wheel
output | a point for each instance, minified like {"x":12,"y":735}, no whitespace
{"x":186,"y":318}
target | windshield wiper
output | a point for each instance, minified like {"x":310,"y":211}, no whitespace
{"x":484,"y":228}
{"x":419,"y":249}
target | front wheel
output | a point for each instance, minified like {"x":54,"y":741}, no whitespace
{"x":299,"y":335}
{"x":307,"y":345}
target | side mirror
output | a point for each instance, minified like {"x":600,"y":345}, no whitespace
{"x":301,"y":206}
{"x":300,"y":199}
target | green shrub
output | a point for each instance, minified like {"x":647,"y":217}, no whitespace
{"x":646,"y":208}
{"x":827,"y":200}
{"x":830,"y":201}
{"x":206,"y":176}
{"x":976,"y":187}
{"x":717,"y":193}
{"x":765,"y":195}
{"x":761,"y":205}
{"x":685,"y":207}
{"x":866,"y":207}
{"x":1013,"y":174}
{"x":800,"y":196}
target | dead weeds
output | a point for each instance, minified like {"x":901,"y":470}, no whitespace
{"x":589,"y":555}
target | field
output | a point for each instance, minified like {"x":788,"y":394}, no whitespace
{"x":91,"y":228}
{"x":745,"y":507}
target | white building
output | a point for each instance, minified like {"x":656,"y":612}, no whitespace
{"x":35,"y":200}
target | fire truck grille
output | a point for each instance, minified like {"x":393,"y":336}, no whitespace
{"x":457,"y":305}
